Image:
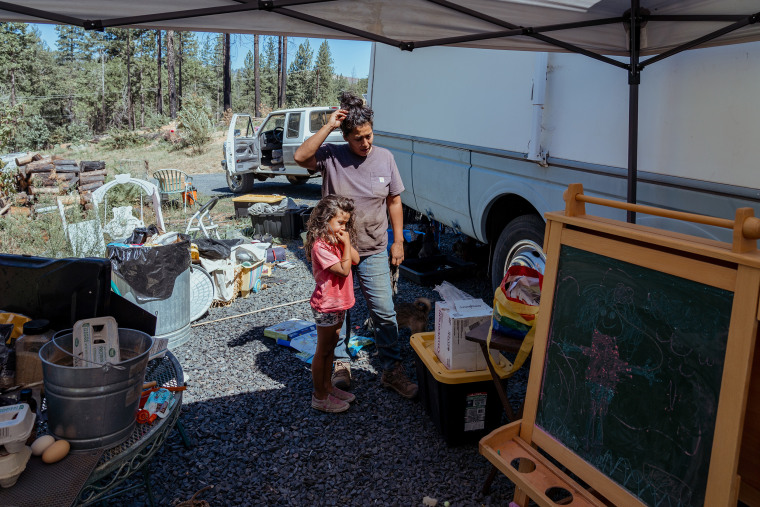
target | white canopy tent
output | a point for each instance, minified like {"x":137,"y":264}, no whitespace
{"x":595,"y":28}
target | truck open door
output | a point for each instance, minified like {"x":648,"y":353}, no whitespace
{"x":242,"y":153}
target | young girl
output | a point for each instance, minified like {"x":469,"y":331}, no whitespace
{"x":328,"y":247}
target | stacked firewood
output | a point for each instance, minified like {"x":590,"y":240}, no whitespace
{"x":51,"y":175}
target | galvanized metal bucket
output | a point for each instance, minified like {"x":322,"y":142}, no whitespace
{"x":94,"y":406}
{"x":172,"y":314}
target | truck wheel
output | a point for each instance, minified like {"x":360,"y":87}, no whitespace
{"x":298,"y":180}
{"x":519,"y":243}
{"x":240,"y":183}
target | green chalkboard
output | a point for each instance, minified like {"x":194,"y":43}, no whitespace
{"x":632,"y":374}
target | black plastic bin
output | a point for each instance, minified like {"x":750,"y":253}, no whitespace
{"x":464,"y":406}
{"x":283,"y":224}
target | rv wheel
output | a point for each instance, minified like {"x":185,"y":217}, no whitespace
{"x":240,"y":183}
{"x":519,"y":243}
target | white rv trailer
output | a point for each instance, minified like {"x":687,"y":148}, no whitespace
{"x":486,"y":141}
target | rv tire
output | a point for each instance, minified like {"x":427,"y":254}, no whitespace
{"x":520,"y":242}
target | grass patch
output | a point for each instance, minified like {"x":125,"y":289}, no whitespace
{"x":159,"y":154}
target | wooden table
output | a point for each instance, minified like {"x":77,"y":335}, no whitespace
{"x":120,"y":462}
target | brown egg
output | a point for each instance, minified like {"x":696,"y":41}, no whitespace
{"x":56,"y":452}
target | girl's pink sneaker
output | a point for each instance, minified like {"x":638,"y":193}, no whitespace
{"x":330,"y":404}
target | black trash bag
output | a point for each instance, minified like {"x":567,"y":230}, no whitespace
{"x":215,"y":249}
{"x":141,"y":234}
{"x":151,"y":270}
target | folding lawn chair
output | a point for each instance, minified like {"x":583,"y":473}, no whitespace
{"x":200,"y":216}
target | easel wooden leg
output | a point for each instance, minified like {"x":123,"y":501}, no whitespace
{"x":499,"y":387}
{"x":487,"y":484}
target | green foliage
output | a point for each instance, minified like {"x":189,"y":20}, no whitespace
{"x":32,"y":133}
{"x":324,"y":88}
{"x":119,"y":139}
{"x":7,"y":180}
{"x":9,"y":116}
{"x":154,"y":121}
{"x":70,"y":133}
{"x":300,"y":91}
{"x":195,"y":122}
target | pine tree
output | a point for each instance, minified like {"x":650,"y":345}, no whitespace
{"x":269,"y":75}
{"x":323,"y":76}
{"x":16,"y":55}
{"x":71,"y":43}
{"x":248,"y":82}
{"x":301,"y":82}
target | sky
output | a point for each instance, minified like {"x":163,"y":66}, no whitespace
{"x":350,"y":58}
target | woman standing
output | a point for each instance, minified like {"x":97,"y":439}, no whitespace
{"x":368,"y":175}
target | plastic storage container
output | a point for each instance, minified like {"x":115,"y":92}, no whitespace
{"x":243,"y":202}
{"x":28,"y":365}
{"x":16,"y":424}
{"x":463,"y":405}
{"x":11,"y":466}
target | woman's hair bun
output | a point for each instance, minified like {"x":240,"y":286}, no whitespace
{"x":357,"y":114}
{"x":349,"y":100}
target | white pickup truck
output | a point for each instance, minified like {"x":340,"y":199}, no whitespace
{"x":260,"y":153}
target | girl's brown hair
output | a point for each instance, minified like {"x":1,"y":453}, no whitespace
{"x":323,"y":212}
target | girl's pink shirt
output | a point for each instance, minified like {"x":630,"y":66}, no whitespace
{"x":333,"y":292}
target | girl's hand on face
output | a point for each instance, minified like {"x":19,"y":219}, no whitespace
{"x":343,"y":237}
{"x":337,"y":118}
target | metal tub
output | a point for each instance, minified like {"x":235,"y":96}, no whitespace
{"x":94,"y":407}
{"x":172,"y":314}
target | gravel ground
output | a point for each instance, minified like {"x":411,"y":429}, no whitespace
{"x":257,"y":441}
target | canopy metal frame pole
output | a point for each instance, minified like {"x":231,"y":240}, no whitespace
{"x":634,"y":80}
{"x":635,"y":19}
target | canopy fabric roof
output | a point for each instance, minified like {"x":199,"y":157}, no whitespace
{"x":493,"y":24}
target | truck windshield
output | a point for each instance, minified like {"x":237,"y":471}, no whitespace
{"x":273,"y":122}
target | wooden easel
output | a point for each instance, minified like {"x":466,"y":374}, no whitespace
{"x":683,"y":266}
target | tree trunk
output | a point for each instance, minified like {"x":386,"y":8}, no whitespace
{"x":283,"y":98}
{"x":256,"y":84}
{"x":159,"y":93}
{"x":181,"y":58}
{"x":170,"y":73}
{"x":227,"y":73}
{"x":279,"y":71}
{"x":13,"y":87}
{"x":103,"y":88}
{"x":142,"y":98}
{"x":130,"y":108}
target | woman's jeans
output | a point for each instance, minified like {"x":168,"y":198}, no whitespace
{"x":374,"y":274}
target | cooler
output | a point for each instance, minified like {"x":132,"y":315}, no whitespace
{"x":463,"y":405}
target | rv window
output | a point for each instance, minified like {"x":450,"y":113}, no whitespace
{"x":318,"y":119}
{"x":294,"y":123}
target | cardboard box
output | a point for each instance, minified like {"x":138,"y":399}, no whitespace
{"x":95,"y":342}
{"x":453,"y":320}
{"x":286,"y":331}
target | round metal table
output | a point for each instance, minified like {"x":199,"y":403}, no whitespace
{"x":120,"y":462}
